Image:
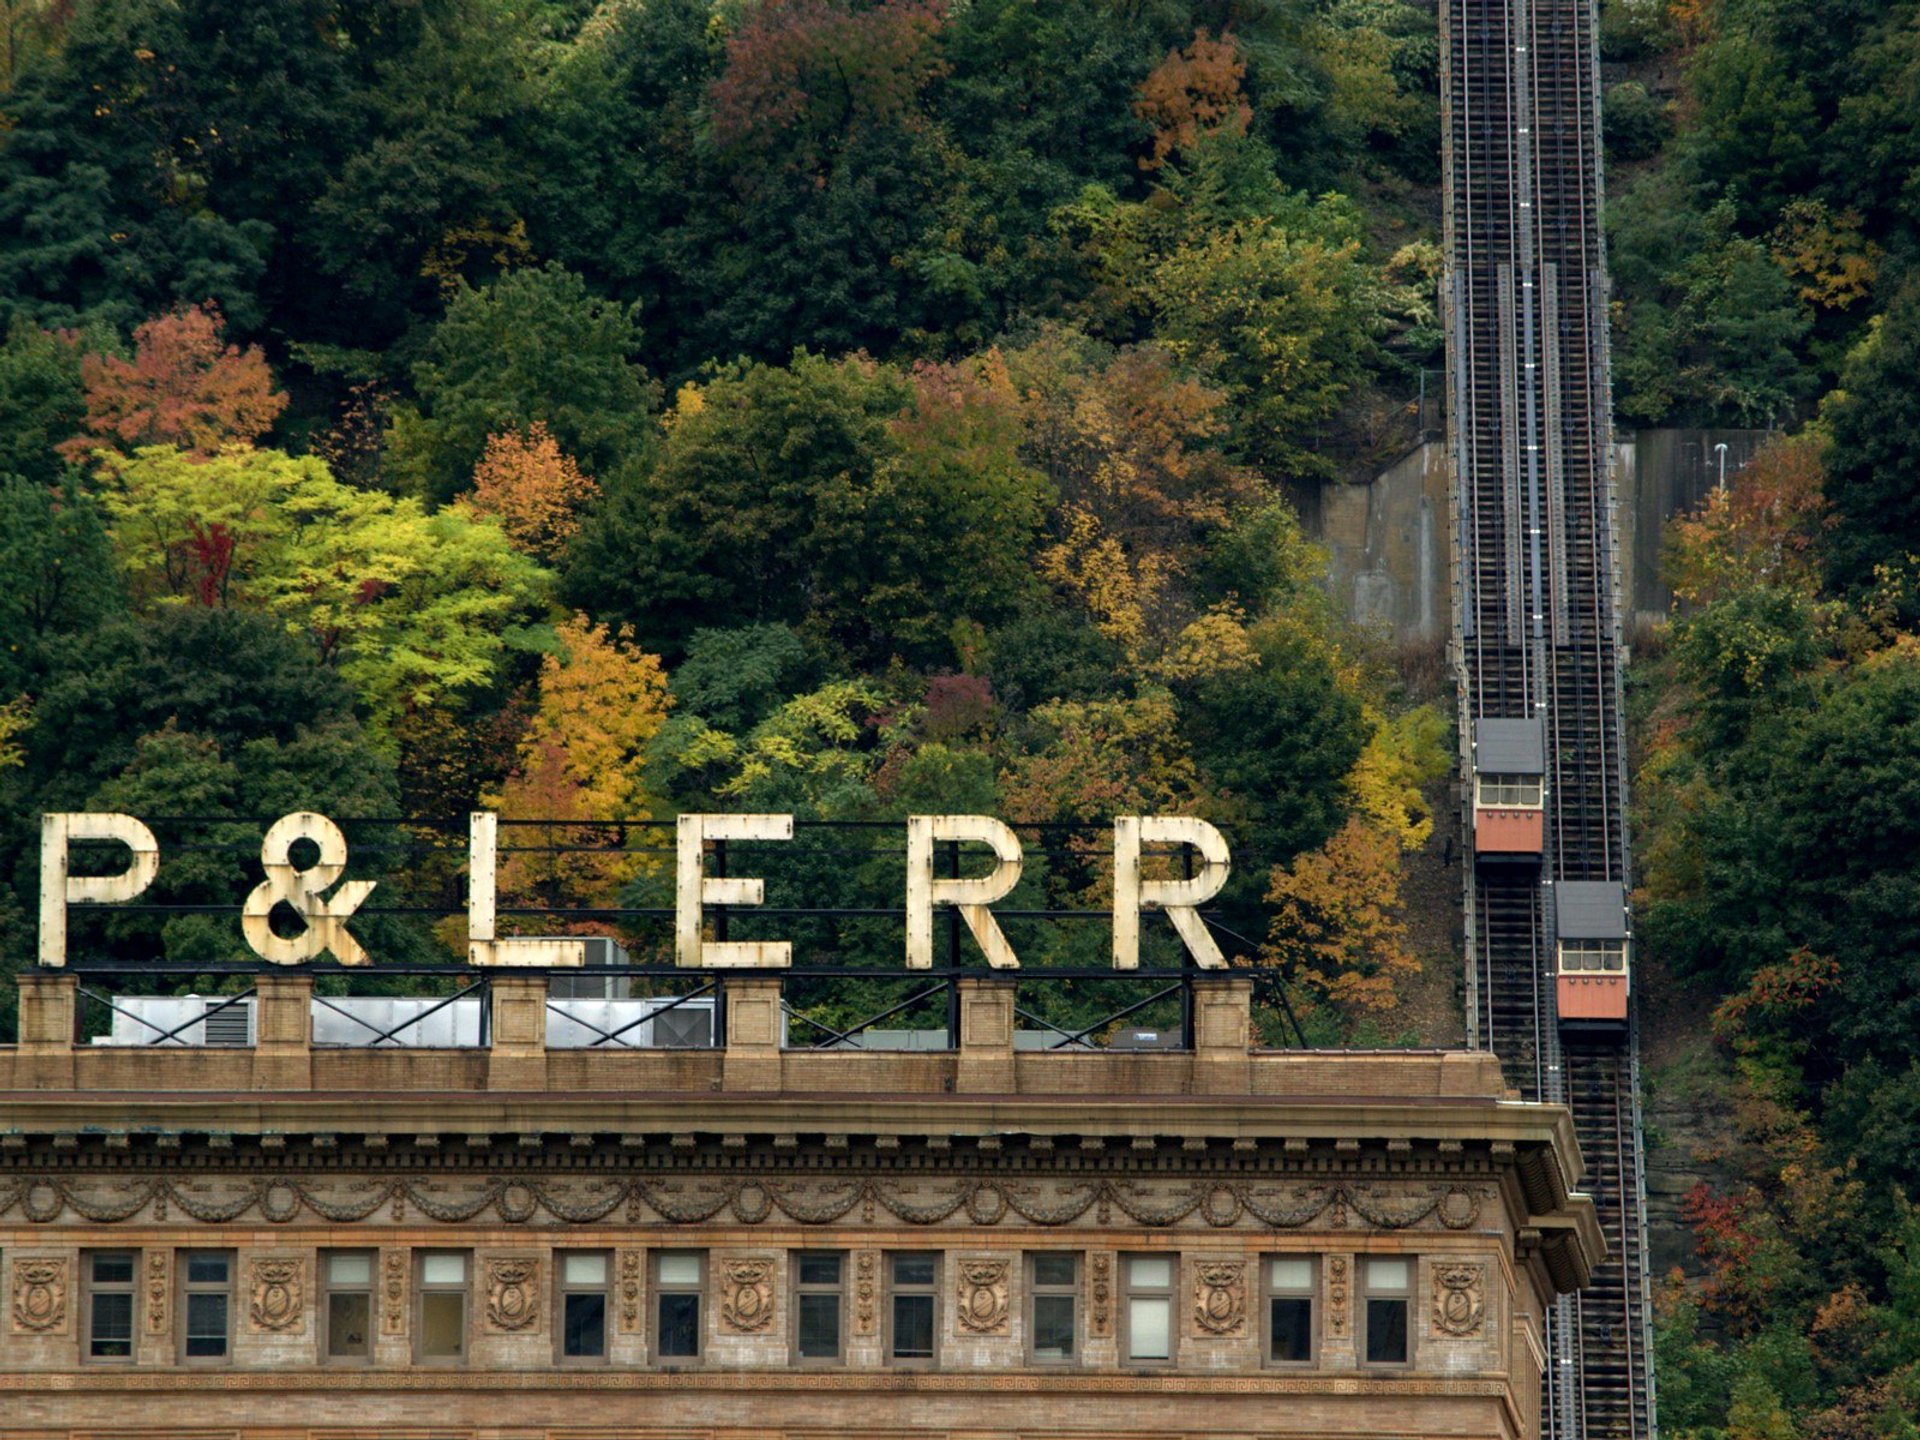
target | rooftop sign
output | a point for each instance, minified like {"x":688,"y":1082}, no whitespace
{"x":324,"y":902}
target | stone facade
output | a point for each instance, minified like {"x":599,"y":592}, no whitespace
{"x":780,"y":1192}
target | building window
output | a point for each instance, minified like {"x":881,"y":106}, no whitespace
{"x":346,"y":1278}
{"x":110,"y":1304}
{"x":1149,"y":1309}
{"x":818,"y":1292}
{"x":1053,"y":1289}
{"x":442,"y":1282}
{"x":677,"y":1283}
{"x":913,"y":1285}
{"x":1511,"y":791}
{"x":206,"y":1282}
{"x":1290,"y":1289}
{"x":1388,"y":1287}
{"x":583,"y":1304}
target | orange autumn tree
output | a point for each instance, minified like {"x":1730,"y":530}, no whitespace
{"x":1338,"y":924}
{"x":183,"y":387}
{"x":1132,"y":446}
{"x":582,"y":760}
{"x":1764,"y":528}
{"x":1336,"y":919}
{"x":534,"y":489}
{"x":1193,"y":93}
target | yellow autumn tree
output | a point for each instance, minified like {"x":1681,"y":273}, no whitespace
{"x":1387,"y":783}
{"x":16,"y":716}
{"x":1337,"y":925}
{"x":534,"y":488}
{"x":582,"y":761}
{"x":1123,"y":592}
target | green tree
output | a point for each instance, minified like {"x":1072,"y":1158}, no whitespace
{"x":163,"y":154}
{"x":1711,"y":331}
{"x":411,"y":607}
{"x":42,"y":401}
{"x":1265,"y":292}
{"x":733,"y":679}
{"x":1753,"y":138}
{"x":223,"y":674}
{"x":532,"y":347}
{"x":1277,"y":738}
{"x":1873,"y":463}
{"x":54,"y":550}
{"x":882,"y":506}
{"x":435,"y":191}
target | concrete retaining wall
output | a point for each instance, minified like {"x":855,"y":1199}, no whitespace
{"x":1389,"y":541}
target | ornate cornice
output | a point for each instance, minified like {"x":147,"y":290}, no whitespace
{"x":884,"y":1201}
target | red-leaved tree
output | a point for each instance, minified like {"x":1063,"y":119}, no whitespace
{"x":802,"y":75}
{"x":184,"y":386}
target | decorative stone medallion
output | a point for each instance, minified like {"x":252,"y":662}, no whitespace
{"x":513,"y":1293}
{"x":984,"y":1303}
{"x":1459,"y":1297}
{"x":40,"y":1296}
{"x":746,"y":1297}
{"x":276,"y":1295}
{"x":1220,"y":1297}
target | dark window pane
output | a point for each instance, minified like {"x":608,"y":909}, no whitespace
{"x":112,"y":1269}
{"x":913,"y":1269}
{"x":819,"y":1327}
{"x":443,"y":1324}
{"x":112,"y":1329}
{"x":1053,"y":1269}
{"x":1386,"y":1332}
{"x":206,"y":1269}
{"x":1053,"y":1327}
{"x":679,"y":1326}
{"x":586,"y":1325}
{"x":819,"y":1269}
{"x":1292,"y":1328}
{"x":913,"y":1327}
{"x":206,"y":1325}
{"x":347,"y":1317}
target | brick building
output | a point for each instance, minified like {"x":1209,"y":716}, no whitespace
{"x":287,"y":1240}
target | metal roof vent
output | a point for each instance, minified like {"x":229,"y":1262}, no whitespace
{"x":229,"y":1024}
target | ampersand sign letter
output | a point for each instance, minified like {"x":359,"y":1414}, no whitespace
{"x":300,"y":889}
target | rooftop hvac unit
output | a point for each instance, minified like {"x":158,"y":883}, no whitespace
{"x":1146,"y":1040}
{"x":412,"y":1022}
{"x":652,"y":1023}
{"x":684,"y":1026}
{"x":583,"y":984}
{"x":182,"y":1020}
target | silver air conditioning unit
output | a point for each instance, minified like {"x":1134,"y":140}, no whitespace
{"x":583,"y":984}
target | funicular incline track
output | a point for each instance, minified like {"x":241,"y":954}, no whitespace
{"x":1536,"y":633}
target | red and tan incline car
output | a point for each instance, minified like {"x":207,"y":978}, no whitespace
{"x":1509,"y":790}
{"x":1593,"y":955}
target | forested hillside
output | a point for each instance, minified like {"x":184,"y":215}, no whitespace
{"x":611,"y":410}
{"x":862,"y":409}
{"x":1765,"y":223}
